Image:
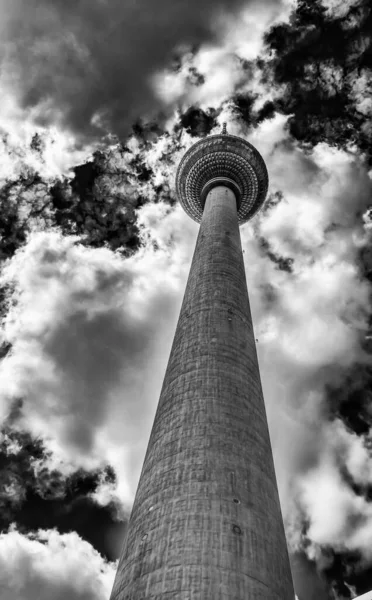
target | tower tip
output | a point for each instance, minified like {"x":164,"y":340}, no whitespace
{"x":224,"y":129}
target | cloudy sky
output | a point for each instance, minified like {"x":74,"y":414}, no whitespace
{"x":100,"y":99}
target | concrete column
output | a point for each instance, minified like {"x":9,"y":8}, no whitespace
{"x":206,"y":522}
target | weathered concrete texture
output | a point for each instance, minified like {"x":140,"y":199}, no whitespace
{"x":206,"y":522}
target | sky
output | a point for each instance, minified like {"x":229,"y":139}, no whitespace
{"x":100,"y":100}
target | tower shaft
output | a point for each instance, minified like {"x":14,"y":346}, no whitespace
{"x":206,"y":522}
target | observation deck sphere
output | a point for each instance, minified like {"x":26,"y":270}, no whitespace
{"x":227,"y":160}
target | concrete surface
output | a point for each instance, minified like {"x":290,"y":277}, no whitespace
{"x":206,"y":522}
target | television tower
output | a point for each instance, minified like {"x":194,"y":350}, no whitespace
{"x":206,"y":522}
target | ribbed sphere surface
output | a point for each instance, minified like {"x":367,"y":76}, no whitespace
{"x":215,"y":158}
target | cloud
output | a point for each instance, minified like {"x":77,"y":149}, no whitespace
{"x":48,"y":152}
{"x":96,"y":199}
{"x":222,"y":69}
{"x":38,"y":491}
{"x":310,"y":321}
{"x":90,"y":334}
{"x":337,"y":516}
{"x":48,"y":565}
{"x":320,"y":62}
{"x":89,"y":67}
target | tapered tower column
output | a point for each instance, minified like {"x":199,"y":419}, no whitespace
{"x":206,"y":522}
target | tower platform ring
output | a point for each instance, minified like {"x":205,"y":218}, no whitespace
{"x":222,"y":159}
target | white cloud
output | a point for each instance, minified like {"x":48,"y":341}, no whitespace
{"x":59,"y":150}
{"x":91,"y":333}
{"x":49,"y":565}
{"x":337,"y":516}
{"x":309,"y":323}
{"x":223,"y":64}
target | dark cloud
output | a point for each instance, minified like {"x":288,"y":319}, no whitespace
{"x":323,"y":63}
{"x":366,"y":256}
{"x":77,"y":61}
{"x":103,"y":346}
{"x":36,"y":497}
{"x":344,"y":568}
{"x":243,"y":104}
{"x":361,"y":579}
{"x":4,"y":350}
{"x":101,"y":218}
{"x":351,"y":400}
{"x":12,"y":230}
{"x":283,"y":263}
{"x":98,"y":203}
{"x":197,"y":122}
